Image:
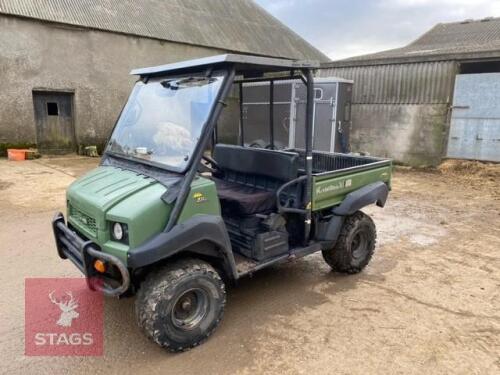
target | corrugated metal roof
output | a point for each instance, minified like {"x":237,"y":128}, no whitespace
{"x":233,"y":25}
{"x":414,"y":83}
{"x":445,"y":41}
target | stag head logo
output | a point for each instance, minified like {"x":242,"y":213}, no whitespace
{"x":67,"y":307}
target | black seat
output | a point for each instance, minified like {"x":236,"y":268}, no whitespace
{"x":242,"y":200}
{"x":249,"y":178}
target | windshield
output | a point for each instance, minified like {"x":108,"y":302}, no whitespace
{"x":163,"y":119}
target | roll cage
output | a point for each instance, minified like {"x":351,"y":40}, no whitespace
{"x":240,"y":69}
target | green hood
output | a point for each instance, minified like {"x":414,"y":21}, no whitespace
{"x":111,"y":194}
{"x":104,"y":187}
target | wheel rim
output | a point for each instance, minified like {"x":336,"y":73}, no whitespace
{"x":359,"y":245}
{"x":190,"y":309}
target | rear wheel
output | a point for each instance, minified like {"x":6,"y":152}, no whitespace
{"x":355,"y":245}
{"x":180,"y":305}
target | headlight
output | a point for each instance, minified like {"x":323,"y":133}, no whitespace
{"x":118,"y":231}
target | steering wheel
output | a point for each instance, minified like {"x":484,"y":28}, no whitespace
{"x":209,"y":164}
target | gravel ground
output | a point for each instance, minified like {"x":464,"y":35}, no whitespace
{"x":428,"y":303}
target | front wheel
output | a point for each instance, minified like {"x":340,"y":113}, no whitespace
{"x":355,"y":246}
{"x":180,"y":305}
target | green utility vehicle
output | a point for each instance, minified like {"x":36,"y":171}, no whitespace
{"x":163,"y":218}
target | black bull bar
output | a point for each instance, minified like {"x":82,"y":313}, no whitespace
{"x":83,"y":253}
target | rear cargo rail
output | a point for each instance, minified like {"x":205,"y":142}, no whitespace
{"x":332,"y":162}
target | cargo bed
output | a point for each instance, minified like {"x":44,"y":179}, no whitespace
{"x":336,"y":175}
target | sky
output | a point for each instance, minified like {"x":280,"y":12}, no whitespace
{"x":345,"y":28}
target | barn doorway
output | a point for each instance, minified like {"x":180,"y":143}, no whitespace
{"x":54,"y":121}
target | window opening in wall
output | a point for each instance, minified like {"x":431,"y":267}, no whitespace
{"x":52,"y":109}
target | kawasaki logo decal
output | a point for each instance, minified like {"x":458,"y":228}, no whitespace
{"x":199,"y":197}
{"x":334,"y":187}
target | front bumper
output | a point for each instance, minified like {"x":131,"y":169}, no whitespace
{"x":83,"y":253}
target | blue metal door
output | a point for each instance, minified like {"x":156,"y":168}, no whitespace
{"x":475,"y":119}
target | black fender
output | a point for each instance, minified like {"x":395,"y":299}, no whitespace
{"x":376,"y":192}
{"x":193,"y":235}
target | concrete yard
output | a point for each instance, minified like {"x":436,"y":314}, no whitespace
{"x":429,"y":302}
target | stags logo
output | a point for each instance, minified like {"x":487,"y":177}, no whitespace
{"x":68,"y":309}
{"x":62,"y":317}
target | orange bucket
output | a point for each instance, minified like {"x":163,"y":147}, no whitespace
{"x":16,"y":155}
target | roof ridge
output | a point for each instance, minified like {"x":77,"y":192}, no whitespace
{"x":471,"y":20}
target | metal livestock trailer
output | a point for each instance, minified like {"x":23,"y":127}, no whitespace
{"x":283,"y":125}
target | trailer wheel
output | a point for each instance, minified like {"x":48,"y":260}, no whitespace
{"x":355,"y":246}
{"x":179,"y":306}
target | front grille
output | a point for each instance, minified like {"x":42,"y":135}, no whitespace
{"x":86,"y":221}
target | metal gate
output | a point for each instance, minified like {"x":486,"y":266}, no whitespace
{"x":54,"y":121}
{"x":475,"y":119}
